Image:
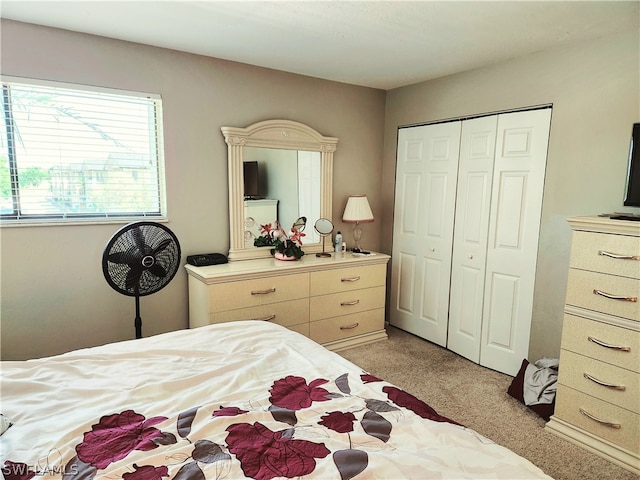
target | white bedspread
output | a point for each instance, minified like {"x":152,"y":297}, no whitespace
{"x":234,"y":400}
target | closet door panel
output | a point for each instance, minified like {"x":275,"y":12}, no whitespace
{"x":519,"y":169}
{"x":475,"y":174}
{"x":428,"y":153}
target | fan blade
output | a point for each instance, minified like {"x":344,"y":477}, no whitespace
{"x":158,"y":270}
{"x":133,"y":278}
{"x":161,"y":246}
{"x":130,"y":257}
{"x":138,"y":239}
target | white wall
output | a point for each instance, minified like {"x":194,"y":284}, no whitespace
{"x":595,"y":91}
{"x":54,"y":296}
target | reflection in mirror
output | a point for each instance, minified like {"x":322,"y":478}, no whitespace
{"x":324,"y":227}
{"x":281,"y":189}
{"x":280,"y":185}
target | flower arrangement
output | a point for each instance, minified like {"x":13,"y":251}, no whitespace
{"x":287,"y":245}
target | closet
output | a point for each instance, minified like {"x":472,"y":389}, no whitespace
{"x":467,"y":212}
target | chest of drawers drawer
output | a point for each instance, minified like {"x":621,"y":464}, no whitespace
{"x":606,"y":253}
{"x":601,"y":341}
{"x":603,"y":419}
{"x":601,"y":380}
{"x":346,"y":279}
{"x":604,"y":293}
{"x":248,"y":293}
{"x":287,"y":314}
{"x":337,"y":328}
{"x":344,"y":303}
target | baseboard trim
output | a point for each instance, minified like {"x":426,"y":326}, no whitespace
{"x":607,"y":450}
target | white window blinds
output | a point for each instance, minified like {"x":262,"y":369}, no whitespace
{"x":70,"y":153}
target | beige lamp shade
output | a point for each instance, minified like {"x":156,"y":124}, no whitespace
{"x":357,"y":210}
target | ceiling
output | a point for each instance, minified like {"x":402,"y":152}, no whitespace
{"x":379,"y":44}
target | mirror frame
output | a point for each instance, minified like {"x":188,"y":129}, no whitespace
{"x":277,"y":134}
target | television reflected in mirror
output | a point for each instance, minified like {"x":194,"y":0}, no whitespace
{"x":632,"y":188}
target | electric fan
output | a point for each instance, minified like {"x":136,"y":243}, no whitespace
{"x":140,"y":259}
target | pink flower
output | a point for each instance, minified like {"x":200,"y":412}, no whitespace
{"x":338,"y":421}
{"x":117,"y":435}
{"x":265,"y":454}
{"x":293,"y":392}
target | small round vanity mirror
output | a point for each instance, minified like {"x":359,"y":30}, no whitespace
{"x":324,"y":227}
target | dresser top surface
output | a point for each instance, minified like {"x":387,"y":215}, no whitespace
{"x":605,"y":225}
{"x":270,"y":266}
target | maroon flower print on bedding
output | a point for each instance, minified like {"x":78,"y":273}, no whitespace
{"x":341,"y":422}
{"x":417,"y":406}
{"x":147,"y":472}
{"x":17,"y":471}
{"x":117,"y":435}
{"x":265,"y":454}
{"x":293,"y":393}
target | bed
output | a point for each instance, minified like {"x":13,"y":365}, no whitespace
{"x":234,"y":400}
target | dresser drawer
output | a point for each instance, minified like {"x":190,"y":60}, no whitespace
{"x":586,"y":253}
{"x":286,"y":314}
{"x":261,"y":291}
{"x":337,"y":328}
{"x":582,"y":286}
{"x":570,"y":402}
{"x":345,"y":279}
{"x":600,"y":380}
{"x":337,"y":304}
{"x":602,"y":341}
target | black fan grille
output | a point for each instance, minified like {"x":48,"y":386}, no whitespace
{"x":141,"y":258}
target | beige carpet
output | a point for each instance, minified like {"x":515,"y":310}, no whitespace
{"x":477,"y":397}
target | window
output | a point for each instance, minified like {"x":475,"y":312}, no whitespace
{"x":70,"y":153}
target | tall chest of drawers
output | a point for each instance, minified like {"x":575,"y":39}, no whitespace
{"x":339,"y":301}
{"x":598,"y":398}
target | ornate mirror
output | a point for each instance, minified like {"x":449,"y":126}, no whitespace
{"x":278,"y":170}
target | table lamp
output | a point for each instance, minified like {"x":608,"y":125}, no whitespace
{"x":357,"y":211}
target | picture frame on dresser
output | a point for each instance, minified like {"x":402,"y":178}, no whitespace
{"x":598,"y":397}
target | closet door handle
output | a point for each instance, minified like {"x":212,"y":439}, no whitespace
{"x":599,"y":420}
{"x":604,"y":384}
{"x":608,"y":345}
{"x":263,"y":292}
{"x":618,"y":256}
{"x":351,"y":279}
{"x":352,"y":302}
{"x":615,"y":297}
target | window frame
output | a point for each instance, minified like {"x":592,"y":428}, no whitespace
{"x":67,"y":218}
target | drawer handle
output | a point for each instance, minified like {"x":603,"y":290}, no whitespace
{"x":263,"y":292}
{"x":604,"y":384}
{"x":352,"y":302}
{"x":603,"y":422}
{"x":267,"y":318}
{"x":608,"y":345}
{"x":349,"y":327}
{"x":618,"y":255}
{"x":351,"y":279}
{"x":615,"y":297}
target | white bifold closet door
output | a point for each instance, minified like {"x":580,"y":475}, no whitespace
{"x":490,"y":233}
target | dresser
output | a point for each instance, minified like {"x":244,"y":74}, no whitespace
{"x":338,"y":301}
{"x":598,"y":397}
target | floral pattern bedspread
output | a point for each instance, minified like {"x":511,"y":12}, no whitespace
{"x":235,"y":400}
